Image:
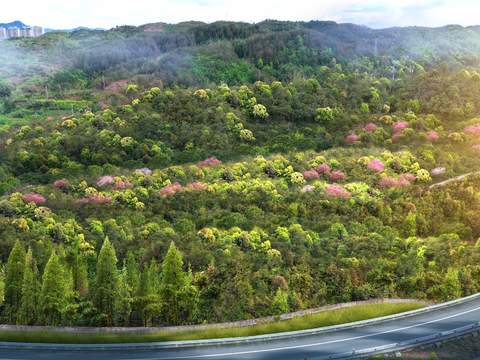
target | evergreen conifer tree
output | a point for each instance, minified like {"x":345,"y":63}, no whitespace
{"x":14,"y":281}
{"x":28,"y":311}
{"x":107,"y":282}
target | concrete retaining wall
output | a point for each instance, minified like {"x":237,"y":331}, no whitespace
{"x":173,"y":329}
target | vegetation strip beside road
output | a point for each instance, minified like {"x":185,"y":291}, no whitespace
{"x":327,"y":318}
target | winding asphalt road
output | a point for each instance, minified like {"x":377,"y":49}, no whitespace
{"x":320,"y":346}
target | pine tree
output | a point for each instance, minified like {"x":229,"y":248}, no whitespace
{"x":55,"y":291}
{"x":124,"y":300}
{"x":176,"y":290}
{"x":107,"y":282}
{"x":14,"y":281}
{"x":28,"y":312}
{"x":133,"y":272}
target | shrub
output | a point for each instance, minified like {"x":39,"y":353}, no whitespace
{"x":33,"y":198}
{"x":337,"y":191}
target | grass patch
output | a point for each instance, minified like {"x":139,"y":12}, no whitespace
{"x":326,"y":318}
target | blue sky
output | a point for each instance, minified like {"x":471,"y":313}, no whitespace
{"x":109,"y":13}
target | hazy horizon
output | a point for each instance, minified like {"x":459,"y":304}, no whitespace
{"x":57,"y":14}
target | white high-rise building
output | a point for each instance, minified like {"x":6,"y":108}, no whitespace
{"x":11,"y":33}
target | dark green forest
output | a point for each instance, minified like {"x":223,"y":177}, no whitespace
{"x":198,"y":173}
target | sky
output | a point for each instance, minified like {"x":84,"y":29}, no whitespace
{"x":64,"y":14}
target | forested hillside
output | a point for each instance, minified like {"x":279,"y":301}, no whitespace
{"x":190,"y":173}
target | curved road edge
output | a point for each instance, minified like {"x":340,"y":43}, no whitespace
{"x":251,"y":339}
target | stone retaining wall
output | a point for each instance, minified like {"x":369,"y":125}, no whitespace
{"x":173,"y":329}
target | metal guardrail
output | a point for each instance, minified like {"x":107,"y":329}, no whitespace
{"x":240,"y":340}
{"x":406,"y":345}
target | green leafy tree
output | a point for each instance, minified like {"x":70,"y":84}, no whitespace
{"x":280,"y":302}
{"x":107,"y":282}
{"x":30,"y":290}
{"x":124,"y":300}
{"x":177,"y":293}
{"x":14,"y":281}
{"x":55,"y":293}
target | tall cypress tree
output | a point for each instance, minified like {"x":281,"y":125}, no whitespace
{"x":27,"y":314}
{"x":177,"y":293}
{"x":107,"y":282}
{"x":55,"y":291}
{"x":124,"y":300}
{"x":14,"y":281}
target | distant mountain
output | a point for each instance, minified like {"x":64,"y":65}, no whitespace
{"x":13,"y":24}
{"x":80,"y":28}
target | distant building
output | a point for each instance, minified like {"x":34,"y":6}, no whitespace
{"x":14,"y":32}
{"x":37,"y":31}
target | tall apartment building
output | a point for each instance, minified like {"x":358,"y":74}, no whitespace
{"x":30,"y":31}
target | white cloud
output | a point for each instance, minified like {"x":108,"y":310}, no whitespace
{"x":109,"y":13}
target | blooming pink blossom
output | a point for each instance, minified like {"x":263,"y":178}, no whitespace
{"x":33,"y":197}
{"x":337,"y":191}
{"x":307,"y":188}
{"x":337,"y":175}
{"x":122,"y":185}
{"x":352,"y":138}
{"x":472,"y":129}
{"x":95,"y":199}
{"x":61,"y":183}
{"x":144,"y":171}
{"x":197,"y":186}
{"x":376,"y":165}
{"x":399,"y":126}
{"x":388,"y":182}
{"x":408,"y":177}
{"x":438,"y":171}
{"x":370,"y":127}
{"x":211,"y":161}
{"x":310,"y":174}
{"x":403,"y":181}
{"x":171,"y":189}
{"x":323,"y":169}
{"x":100,"y":199}
{"x":105,"y":180}
{"x":433,"y":136}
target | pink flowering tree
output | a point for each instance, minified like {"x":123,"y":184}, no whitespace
{"x":323,"y":169}
{"x":197,"y":186}
{"x":472,"y":129}
{"x":307,"y":189}
{"x":34,"y":198}
{"x":433,"y":136}
{"x":403,"y":181}
{"x":370,"y":127}
{"x":352,"y":139}
{"x":61,"y":183}
{"x":376,"y":165}
{"x":171,"y":190}
{"x":209,"y":162}
{"x":337,"y":175}
{"x":337,"y":191}
{"x":105,"y":180}
{"x":399,"y":126}
{"x":310,"y":175}
{"x":97,"y":199}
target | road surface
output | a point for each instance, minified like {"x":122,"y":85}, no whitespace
{"x":320,"y":346}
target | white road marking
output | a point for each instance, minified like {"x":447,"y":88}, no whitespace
{"x":314,"y":344}
{"x":304,"y":345}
